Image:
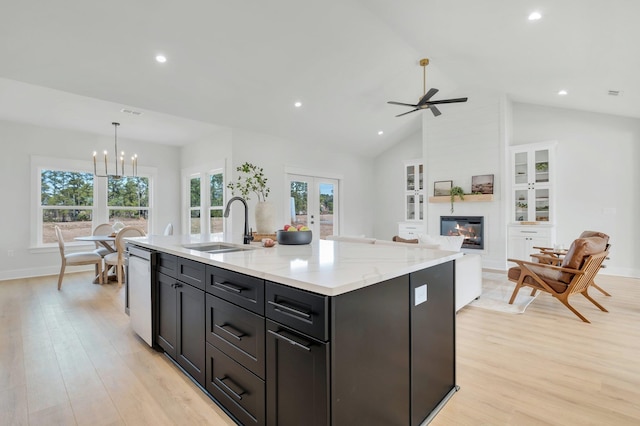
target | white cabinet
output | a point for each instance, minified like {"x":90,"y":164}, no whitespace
{"x":410,"y":230}
{"x":414,"y":193}
{"x":532,"y":183}
{"x":523,"y":239}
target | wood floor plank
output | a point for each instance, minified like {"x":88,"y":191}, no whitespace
{"x":70,"y":357}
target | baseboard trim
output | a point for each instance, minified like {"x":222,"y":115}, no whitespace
{"x":17,"y":274}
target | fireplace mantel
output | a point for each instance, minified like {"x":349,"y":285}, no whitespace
{"x":471,"y":198}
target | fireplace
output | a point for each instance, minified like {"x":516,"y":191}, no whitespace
{"x":471,"y":227}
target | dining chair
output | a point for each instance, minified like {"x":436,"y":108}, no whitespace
{"x":118,"y":259}
{"x":77,"y":259}
{"x":169,"y":229}
{"x":102,"y":229}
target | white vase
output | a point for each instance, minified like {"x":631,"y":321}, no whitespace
{"x":265,"y":223}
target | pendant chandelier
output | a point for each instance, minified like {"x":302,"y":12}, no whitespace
{"x":119,"y":172}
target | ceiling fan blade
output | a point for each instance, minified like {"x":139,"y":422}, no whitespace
{"x":436,"y":112}
{"x":400,"y":103}
{"x":427,"y":96}
{"x":405,"y":113}
{"x":447,"y":101}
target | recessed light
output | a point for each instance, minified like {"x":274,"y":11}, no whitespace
{"x":297,"y":104}
{"x":380,"y":132}
{"x":161,"y":59}
{"x":534,"y":16}
{"x":562,"y":92}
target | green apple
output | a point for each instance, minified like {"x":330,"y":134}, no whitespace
{"x":291,"y":228}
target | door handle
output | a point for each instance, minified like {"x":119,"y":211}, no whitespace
{"x":227,"y":387}
{"x":236,"y":334}
{"x":289,"y":309}
{"x":288,"y":340}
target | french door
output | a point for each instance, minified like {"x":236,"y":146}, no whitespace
{"x":313,"y":202}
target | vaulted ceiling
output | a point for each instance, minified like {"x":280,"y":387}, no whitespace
{"x":242,"y":64}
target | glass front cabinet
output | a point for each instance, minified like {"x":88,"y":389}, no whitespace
{"x":414,"y":190}
{"x":532,"y":169}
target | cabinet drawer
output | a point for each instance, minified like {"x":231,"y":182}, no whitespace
{"x":237,"y":288}
{"x":236,"y":332}
{"x":191,"y":272}
{"x":529,"y":231}
{"x":167,"y":264}
{"x":237,"y":389}
{"x":303,"y":311}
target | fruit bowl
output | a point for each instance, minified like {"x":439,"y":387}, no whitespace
{"x":295,"y":237}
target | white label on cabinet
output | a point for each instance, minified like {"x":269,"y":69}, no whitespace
{"x":420,"y":294}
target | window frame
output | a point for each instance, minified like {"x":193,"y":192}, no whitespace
{"x":205,"y":207}
{"x":100,"y":207}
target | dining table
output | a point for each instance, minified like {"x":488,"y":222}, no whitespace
{"x":107,"y":241}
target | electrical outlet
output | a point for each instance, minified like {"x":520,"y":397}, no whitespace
{"x":10,"y":253}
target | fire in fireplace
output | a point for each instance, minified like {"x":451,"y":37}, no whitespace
{"x":470,"y":227}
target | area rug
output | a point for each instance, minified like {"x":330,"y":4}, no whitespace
{"x":496,"y":292}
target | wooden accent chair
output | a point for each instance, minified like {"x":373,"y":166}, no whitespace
{"x":553,"y":257}
{"x":578,"y":267}
{"x":118,"y":259}
{"x":76,"y":259}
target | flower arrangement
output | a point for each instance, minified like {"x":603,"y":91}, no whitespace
{"x":250,"y":180}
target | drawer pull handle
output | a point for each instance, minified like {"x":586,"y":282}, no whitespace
{"x":288,"y":340}
{"x":227,"y":387}
{"x":289,"y":309}
{"x":236,"y":334}
{"x":228,"y":287}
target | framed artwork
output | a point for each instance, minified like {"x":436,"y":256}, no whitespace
{"x":482,"y":184}
{"x":442,"y":187}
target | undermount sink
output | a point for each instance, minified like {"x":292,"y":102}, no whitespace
{"x":215,"y":247}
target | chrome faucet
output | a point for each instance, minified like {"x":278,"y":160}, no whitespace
{"x":247,"y":237}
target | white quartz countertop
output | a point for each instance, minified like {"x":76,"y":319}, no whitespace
{"x":325,"y":267}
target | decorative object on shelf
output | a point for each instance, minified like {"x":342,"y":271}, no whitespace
{"x":482,"y":184}
{"x":252,"y":180}
{"x":442,"y":188}
{"x":118,"y":173}
{"x":424,"y":102}
{"x":456,"y":190}
{"x":542,"y":167}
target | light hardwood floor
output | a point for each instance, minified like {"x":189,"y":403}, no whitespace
{"x":70,"y":357}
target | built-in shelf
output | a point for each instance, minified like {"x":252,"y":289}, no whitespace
{"x":471,"y":198}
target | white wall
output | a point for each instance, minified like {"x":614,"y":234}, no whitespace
{"x":598,"y":182}
{"x":389,"y":183}
{"x":467,"y":140}
{"x":275,"y":155}
{"x":20,"y":142}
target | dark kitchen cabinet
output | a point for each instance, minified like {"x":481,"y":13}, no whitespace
{"x":274,"y":354}
{"x":166,"y":314}
{"x":181,"y":324}
{"x":190,"y":348}
{"x":432,"y":338}
{"x":297,"y":378}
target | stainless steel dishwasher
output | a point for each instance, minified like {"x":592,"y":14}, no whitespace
{"x":140,"y":276}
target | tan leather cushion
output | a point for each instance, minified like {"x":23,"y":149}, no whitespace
{"x":587,"y":234}
{"x":550,"y":277}
{"x":579,"y":250}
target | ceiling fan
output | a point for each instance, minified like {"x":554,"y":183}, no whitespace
{"x":424,"y":102}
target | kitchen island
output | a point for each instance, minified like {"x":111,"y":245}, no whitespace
{"x":326,"y":333}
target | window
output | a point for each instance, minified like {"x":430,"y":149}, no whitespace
{"x":128,"y":201}
{"x":194,"y":205}
{"x":67,"y":194}
{"x":205,"y":203}
{"x":216,"y":186}
{"x":66,"y":200}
